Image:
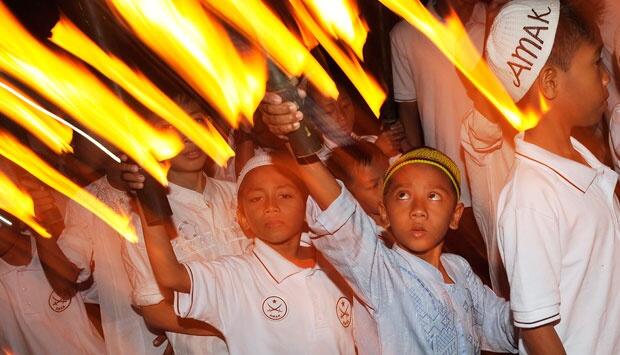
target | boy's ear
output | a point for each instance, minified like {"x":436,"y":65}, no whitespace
{"x":385,"y":222}
{"x":243,"y":223}
{"x":548,"y":82}
{"x":456,"y":216}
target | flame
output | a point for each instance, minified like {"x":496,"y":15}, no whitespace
{"x":53,"y":134}
{"x":341,"y":19}
{"x":19,"y":204}
{"x":452,"y":40}
{"x":72,"y":87}
{"x":261,"y":26}
{"x":28,"y":160}
{"x":368,"y":87}
{"x":200,"y":51}
{"x":66,"y":35}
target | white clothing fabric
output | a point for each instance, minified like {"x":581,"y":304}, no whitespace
{"x":423,"y":74}
{"x":206,"y":228}
{"x":559,"y":238}
{"x":488,"y":157}
{"x":87,"y":239}
{"x":264,"y":304}
{"x":35,"y":320}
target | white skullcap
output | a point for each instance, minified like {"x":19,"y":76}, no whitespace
{"x":520,"y":42}
{"x":262,"y":159}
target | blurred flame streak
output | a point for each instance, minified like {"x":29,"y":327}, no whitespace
{"x":341,"y":19}
{"x":200,"y":51}
{"x":47,"y":113}
{"x":69,"y":85}
{"x":368,"y":87}
{"x":5,"y":220}
{"x":19,"y":204}
{"x":262,"y":27}
{"x":56,"y":136}
{"x":452,"y":40}
{"x":66,"y":35}
{"x":28,"y":160}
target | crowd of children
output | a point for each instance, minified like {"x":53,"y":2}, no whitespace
{"x":344,"y":252}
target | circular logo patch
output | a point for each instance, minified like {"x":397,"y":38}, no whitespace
{"x":343,"y":311}
{"x":57,"y":303}
{"x":274,"y":308}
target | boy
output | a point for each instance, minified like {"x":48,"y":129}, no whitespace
{"x":205,"y":223}
{"x":558,"y":214}
{"x":280,"y":298}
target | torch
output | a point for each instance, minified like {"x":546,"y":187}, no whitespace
{"x":304,"y":141}
{"x":154,"y":201}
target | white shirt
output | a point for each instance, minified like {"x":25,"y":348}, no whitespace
{"x":264,"y":304}
{"x":35,"y":320}
{"x":207,"y":228}
{"x":558,"y":234}
{"x":488,"y":157}
{"x":85,"y":239}
{"x":422,"y":73}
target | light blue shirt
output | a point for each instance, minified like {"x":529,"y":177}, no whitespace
{"x":415,"y":310}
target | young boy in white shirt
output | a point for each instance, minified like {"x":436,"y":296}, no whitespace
{"x":558,"y":214}
{"x":280,"y":298}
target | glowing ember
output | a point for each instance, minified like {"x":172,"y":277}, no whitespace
{"x":368,"y":87}
{"x":19,"y":204}
{"x":53,"y":134}
{"x":28,"y":160}
{"x":70,"y":38}
{"x":72,"y":87}
{"x":262,"y":27}
{"x":341,"y":19}
{"x":200,"y":51}
{"x":451,"y":38}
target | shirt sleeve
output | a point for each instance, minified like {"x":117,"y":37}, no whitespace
{"x":530,"y":246}
{"x":76,"y":241}
{"x":402,"y":76}
{"x":492,"y":316}
{"x":348,"y":238}
{"x":213,"y":289}
{"x":145,"y":291}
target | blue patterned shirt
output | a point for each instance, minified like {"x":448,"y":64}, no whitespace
{"x":415,"y":310}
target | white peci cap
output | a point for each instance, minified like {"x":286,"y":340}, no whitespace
{"x":262,"y":159}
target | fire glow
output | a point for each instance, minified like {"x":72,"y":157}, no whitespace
{"x":19,"y":204}
{"x":28,"y":160}
{"x":70,"y":38}
{"x":73,"y":88}
{"x":198,"y":48}
{"x":452,"y":40}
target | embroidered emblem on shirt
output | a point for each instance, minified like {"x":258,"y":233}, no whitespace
{"x":274,"y":308}
{"x":343,"y":311}
{"x":57,"y":303}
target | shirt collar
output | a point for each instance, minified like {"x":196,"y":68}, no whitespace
{"x":181,"y":193}
{"x":578,"y":175}
{"x":275,"y":264}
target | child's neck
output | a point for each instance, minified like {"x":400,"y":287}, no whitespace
{"x":554,"y":136}
{"x":433,"y":257}
{"x":193,"y":180}
{"x":295,"y":253}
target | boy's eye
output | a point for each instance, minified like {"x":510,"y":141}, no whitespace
{"x":402,"y":195}
{"x":254,"y":199}
{"x":286,"y":195}
{"x":434,"y":196}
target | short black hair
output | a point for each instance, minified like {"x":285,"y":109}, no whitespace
{"x":343,"y":159}
{"x":577,"y":25}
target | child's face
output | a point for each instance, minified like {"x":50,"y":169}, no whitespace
{"x":420,"y":205}
{"x":272,"y":207}
{"x":341,"y":111}
{"x":583,"y":88}
{"x":366,"y":186}
{"x":191,"y":158}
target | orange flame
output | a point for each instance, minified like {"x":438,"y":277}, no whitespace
{"x":368,"y":87}
{"x":341,"y":19}
{"x":72,"y":87}
{"x":260,"y":25}
{"x":452,"y":40}
{"x":27,"y":159}
{"x":200,"y":51}
{"x":19,"y":204}
{"x":53,"y":134}
{"x":66,"y":35}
